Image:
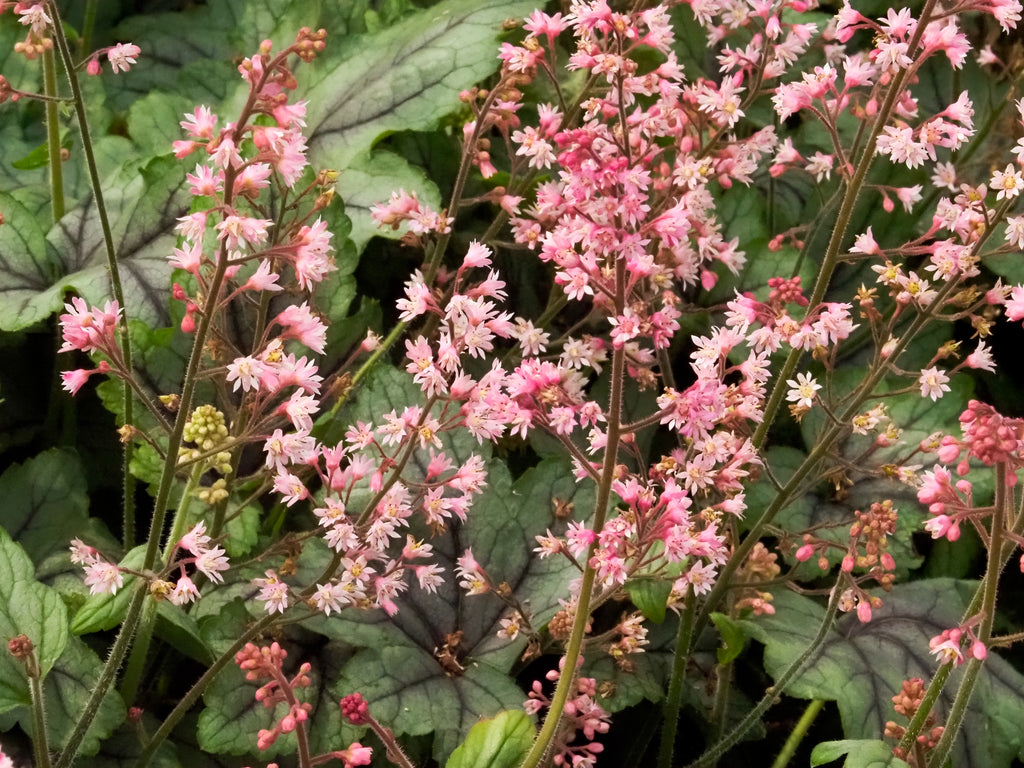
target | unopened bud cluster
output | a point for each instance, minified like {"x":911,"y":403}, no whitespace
{"x":207,"y":431}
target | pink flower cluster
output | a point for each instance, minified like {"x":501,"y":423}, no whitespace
{"x":582,"y":714}
{"x":267,"y":662}
{"x":91,"y":330}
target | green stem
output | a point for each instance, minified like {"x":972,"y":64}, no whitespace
{"x":39,"y":741}
{"x":567,"y":680}
{"x":140,"y":650}
{"x":989,"y":590}
{"x":771,"y":695}
{"x":674,"y":696}
{"x":128,"y":488}
{"x":88,"y":24}
{"x":106,"y":678}
{"x":798,"y":733}
{"x":137,"y":660}
{"x":53,"y":147}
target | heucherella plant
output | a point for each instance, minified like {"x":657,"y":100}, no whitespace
{"x":697,"y":352}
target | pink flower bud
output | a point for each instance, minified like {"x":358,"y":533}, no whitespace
{"x":978,"y":650}
{"x":93,"y":67}
{"x":864,"y":611}
{"x":805,"y":553}
{"x":847,"y":564}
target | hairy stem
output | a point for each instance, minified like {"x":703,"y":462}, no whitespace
{"x":40,"y":745}
{"x":674,"y":696}
{"x":798,"y":733}
{"x":53,"y":147}
{"x":567,"y":680}
{"x":128,"y":487}
{"x":989,"y":591}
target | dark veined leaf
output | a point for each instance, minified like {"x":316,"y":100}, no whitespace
{"x":143,"y":205}
{"x":398,"y":78}
{"x":862,"y":666}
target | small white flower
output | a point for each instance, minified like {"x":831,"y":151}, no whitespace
{"x":803,"y":390}
{"x":933,"y":383}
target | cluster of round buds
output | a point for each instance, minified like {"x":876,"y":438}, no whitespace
{"x":871,"y":531}
{"x":309,"y":43}
{"x":355,"y":709}
{"x":267,"y":662}
{"x":760,"y":566}
{"x":7,"y":92}
{"x":207,"y":431}
{"x":582,"y":714}
{"x":906,"y":703}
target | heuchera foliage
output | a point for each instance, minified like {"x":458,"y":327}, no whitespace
{"x":749,"y":357}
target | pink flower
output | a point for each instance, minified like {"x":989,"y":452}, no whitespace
{"x":933,"y":383}
{"x":122,"y":56}
{"x":1015,"y":304}
{"x":101,"y":577}
{"x":273,"y":592}
{"x":90,"y":330}
{"x":356,"y":754}
{"x":184,"y":592}
{"x":200,"y":124}
{"x":300,"y":323}
{"x":72,"y":381}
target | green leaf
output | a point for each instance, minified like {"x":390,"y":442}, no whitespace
{"x":179,"y":630}
{"x":45,"y":503}
{"x":67,"y":690}
{"x":499,"y":742}
{"x":370,"y":179}
{"x":143,"y":204}
{"x":190,"y":53}
{"x":862,"y":666}
{"x":650,"y":596}
{"x":31,"y":609}
{"x":242,"y":532}
{"x":733,"y":637}
{"x":860,"y":753}
{"x":404,"y":77}
{"x":37,"y":158}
